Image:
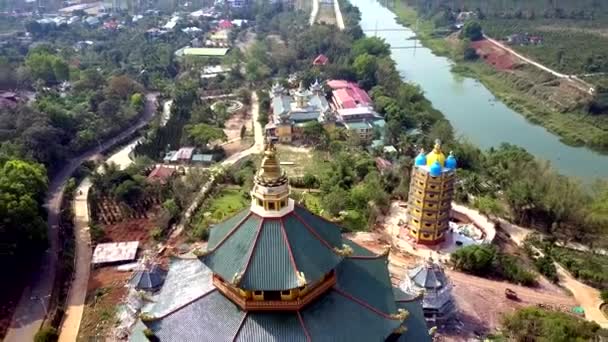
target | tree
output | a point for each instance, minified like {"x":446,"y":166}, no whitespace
{"x":129,"y":192}
{"x":60,"y":70}
{"x":372,"y":46}
{"x":476,"y":259}
{"x":40,"y":66}
{"x":534,"y":324}
{"x":365,"y":66}
{"x":470,"y":54}
{"x":472,"y":30}
{"x":243,"y":132}
{"x":122,"y":86}
{"x":202,"y":134}
{"x":22,"y":229}
{"x":335,"y":201}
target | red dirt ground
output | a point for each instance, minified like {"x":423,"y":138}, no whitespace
{"x":130,"y":230}
{"x":493,"y":55}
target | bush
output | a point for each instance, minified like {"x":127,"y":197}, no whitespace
{"x":546,"y":267}
{"x":604,"y":295}
{"x":97,"y":233}
{"x":512,"y":271}
{"x":470,"y":54}
{"x":533,"y":324}
{"x":475,"y":259}
{"x":156,"y":234}
{"x":46,"y":334}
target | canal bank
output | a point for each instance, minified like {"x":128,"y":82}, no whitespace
{"x":471,"y":108}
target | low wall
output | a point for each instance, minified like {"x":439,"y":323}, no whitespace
{"x":465,"y":214}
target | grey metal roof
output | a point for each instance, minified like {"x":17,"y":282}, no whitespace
{"x":148,"y":279}
{"x":304,"y":115}
{"x":209,"y":318}
{"x":271,"y":327}
{"x":186,"y":280}
{"x":428,"y":276}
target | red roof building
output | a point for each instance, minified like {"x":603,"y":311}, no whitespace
{"x":225,"y":24}
{"x":320,"y":60}
{"x":161,"y":174}
{"x":348,"y":95}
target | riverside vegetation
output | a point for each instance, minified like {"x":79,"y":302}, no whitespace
{"x":574,"y":40}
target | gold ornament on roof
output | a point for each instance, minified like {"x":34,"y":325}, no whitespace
{"x":270,"y":169}
{"x":436,"y":155}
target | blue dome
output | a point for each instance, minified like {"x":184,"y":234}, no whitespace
{"x":436,"y":169}
{"x":450,"y":163}
{"x":420,"y":160}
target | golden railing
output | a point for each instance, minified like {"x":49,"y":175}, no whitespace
{"x":274,"y":305}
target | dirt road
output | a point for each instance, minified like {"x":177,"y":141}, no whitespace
{"x":32,"y":307}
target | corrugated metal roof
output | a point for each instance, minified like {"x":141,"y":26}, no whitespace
{"x":232,"y":255}
{"x":368,"y":280}
{"x":210,"y":318}
{"x":312,"y":257}
{"x":272,"y":327}
{"x":270,"y":267}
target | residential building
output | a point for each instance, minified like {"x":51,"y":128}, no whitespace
{"x":291,"y":112}
{"x":277,"y":272}
{"x":320,"y":60}
{"x":363,"y":129}
{"x":430,"y":196}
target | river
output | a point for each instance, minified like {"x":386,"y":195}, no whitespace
{"x":471,"y":108}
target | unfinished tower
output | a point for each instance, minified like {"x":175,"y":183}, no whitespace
{"x":430,"y":196}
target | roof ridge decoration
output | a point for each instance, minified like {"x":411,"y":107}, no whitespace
{"x":147,"y":317}
{"x":313,"y":232}
{"x":240,"y":327}
{"x":345,"y":251}
{"x":226,"y":237}
{"x":299,"y":275}
{"x":303,"y":324}
{"x":365,"y":304}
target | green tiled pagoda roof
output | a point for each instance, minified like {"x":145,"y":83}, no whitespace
{"x":368,"y":280}
{"x":346,"y":313}
{"x":269,"y":253}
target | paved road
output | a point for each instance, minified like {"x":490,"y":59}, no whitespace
{"x":31,"y":309}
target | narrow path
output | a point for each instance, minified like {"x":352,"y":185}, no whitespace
{"x":257,"y":147}
{"x":586,"y":296}
{"x":78,"y":291}
{"x":34,"y":301}
{"x":580,"y":84}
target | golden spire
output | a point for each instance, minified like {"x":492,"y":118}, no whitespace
{"x":270,"y":170}
{"x":436,"y":155}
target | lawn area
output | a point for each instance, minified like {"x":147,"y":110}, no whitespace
{"x":297,"y":161}
{"x":220,"y":206}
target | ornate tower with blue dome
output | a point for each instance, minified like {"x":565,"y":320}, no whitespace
{"x":430,"y":196}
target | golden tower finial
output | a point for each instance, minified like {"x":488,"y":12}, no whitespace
{"x":436,"y":155}
{"x":270,"y":169}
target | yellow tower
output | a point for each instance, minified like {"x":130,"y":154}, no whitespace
{"x":430,"y":196}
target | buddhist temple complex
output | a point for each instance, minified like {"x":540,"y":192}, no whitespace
{"x":277,"y":272}
{"x":430,"y":196}
{"x":290,"y":112}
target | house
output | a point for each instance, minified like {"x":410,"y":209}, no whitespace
{"x":225,"y":24}
{"x":357,"y":114}
{"x":348,"y":95}
{"x":110,"y":25}
{"x":8,"y":100}
{"x":383,"y":165}
{"x":363,"y":128}
{"x":184,"y":154}
{"x":161,"y":174}
{"x":320,"y":60}
{"x":202,"y":159}
{"x":291,"y":112}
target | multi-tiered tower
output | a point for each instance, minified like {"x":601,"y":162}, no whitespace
{"x":430,"y":196}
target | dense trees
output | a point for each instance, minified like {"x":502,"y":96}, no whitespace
{"x":533,"y":324}
{"x":22,"y":229}
{"x":472,"y":30}
{"x":486,"y":260}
